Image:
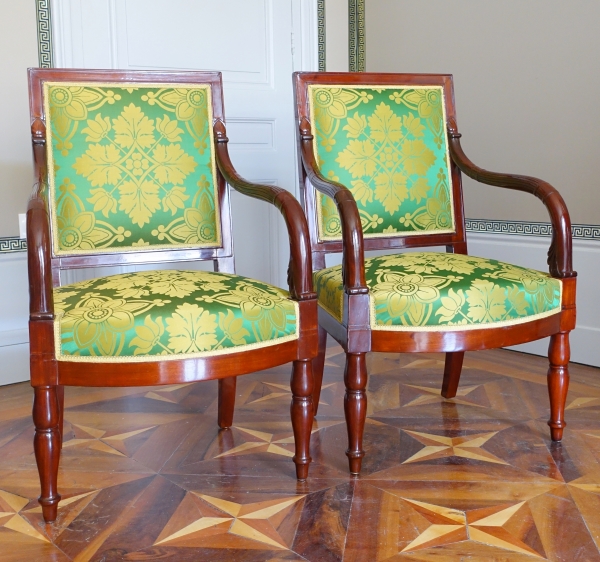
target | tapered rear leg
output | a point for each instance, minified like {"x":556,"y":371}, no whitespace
{"x":226,"y":401}
{"x":452,"y":370}
{"x":318,"y":364}
{"x":46,"y":444}
{"x":301,"y":411}
{"x":60,"y":395}
{"x":355,"y":407}
{"x":559,"y":353}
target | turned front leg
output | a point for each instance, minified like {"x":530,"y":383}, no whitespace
{"x":355,"y":407}
{"x":559,"y":353}
{"x":47,"y":444}
{"x":302,"y":415}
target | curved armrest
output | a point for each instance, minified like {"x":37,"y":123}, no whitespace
{"x":41,"y":305}
{"x":353,"y":269}
{"x":300,"y":271}
{"x":560,"y":254}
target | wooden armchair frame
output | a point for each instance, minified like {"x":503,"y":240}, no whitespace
{"x":49,"y":375}
{"x":354,"y":332}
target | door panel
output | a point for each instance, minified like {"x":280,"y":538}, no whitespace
{"x":250,"y":41}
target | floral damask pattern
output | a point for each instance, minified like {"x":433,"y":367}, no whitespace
{"x":171,"y":314}
{"x":428,"y":290}
{"x":387,"y":145}
{"x":131,"y":167}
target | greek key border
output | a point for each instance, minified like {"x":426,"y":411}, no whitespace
{"x":321,"y":34}
{"x":356,"y":35}
{"x":44,"y":33}
{"x":523,"y":228}
{"x":11,"y":244}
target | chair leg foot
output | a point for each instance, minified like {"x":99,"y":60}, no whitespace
{"x":559,"y":353}
{"x":452,"y":370}
{"x":301,"y":411}
{"x":318,"y":364}
{"x":47,"y":445}
{"x":50,"y":510}
{"x":301,"y":472}
{"x":226,"y":402}
{"x":355,"y":407}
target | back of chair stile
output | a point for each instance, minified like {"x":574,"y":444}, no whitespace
{"x":385,"y":139}
{"x":131,"y":173}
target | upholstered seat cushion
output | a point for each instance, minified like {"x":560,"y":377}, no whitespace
{"x":438,"y":291}
{"x":167,"y":314}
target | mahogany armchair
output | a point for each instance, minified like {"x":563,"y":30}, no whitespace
{"x":132,"y":168}
{"x":380,"y":169}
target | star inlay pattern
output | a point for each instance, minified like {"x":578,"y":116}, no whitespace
{"x":433,"y":396}
{"x":489,"y":526}
{"x":263,"y":442}
{"x":283,"y":391}
{"x":11,"y":518}
{"x":253,"y":521}
{"x":465,"y":446}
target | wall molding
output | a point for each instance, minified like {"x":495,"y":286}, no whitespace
{"x":10,"y":244}
{"x":321,"y":34}
{"x":526,"y":228}
{"x":356,"y":35}
{"x":44,"y":33}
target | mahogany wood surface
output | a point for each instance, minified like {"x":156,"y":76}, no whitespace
{"x":354,"y":332}
{"x":49,"y":375}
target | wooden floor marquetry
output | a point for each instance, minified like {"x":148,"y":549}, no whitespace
{"x":146,"y":474}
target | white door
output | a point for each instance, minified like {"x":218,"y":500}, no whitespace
{"x":257,"y":44}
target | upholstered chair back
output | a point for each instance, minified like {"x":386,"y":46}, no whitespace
{"x":387,"y":144}
{"x":130,"y":168}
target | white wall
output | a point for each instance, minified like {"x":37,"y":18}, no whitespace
{"x":336,"y":35}
{"x":18,"y":45}
{"x":527,"y":89}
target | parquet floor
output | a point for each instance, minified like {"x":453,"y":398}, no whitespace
{"x":146,"y":475}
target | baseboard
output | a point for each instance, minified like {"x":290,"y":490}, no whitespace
{"x":14,"y":363}
{"x":531,"y":251}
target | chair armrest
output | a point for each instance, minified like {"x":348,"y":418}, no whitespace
{"x":353,"y":269}
{"x":560,"y":254}
{"x":300,"y":270}
{"x":41,"y":306}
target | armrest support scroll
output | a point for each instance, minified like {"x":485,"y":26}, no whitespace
{"x":561,"y":247}
{"x":352,"y":238}
{"x":300,"y":270}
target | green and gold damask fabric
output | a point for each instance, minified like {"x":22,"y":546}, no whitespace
{"x":388,"y":146}
{"x":437,"y":291}
{"x":130,"y":167}
{"x":158,"y":315}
